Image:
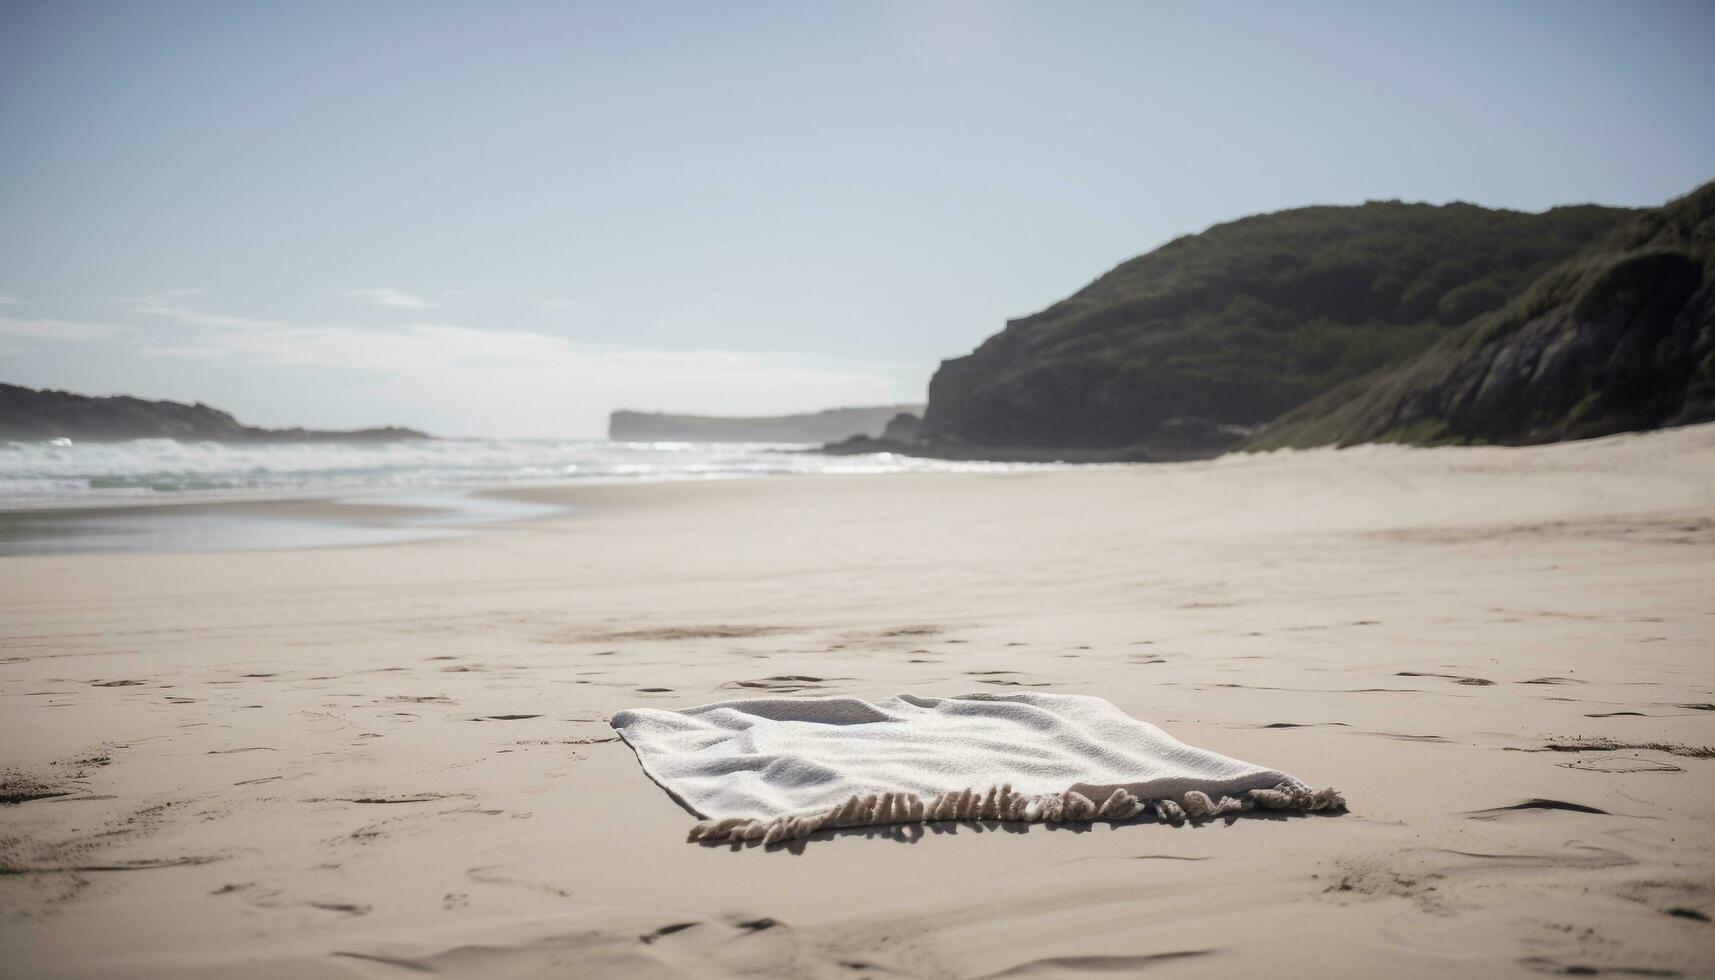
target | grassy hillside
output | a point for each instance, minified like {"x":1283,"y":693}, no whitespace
{"x":1248,"y":319}
{"x":1621,"y":337}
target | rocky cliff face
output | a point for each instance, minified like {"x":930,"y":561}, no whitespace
{"x":1185,"y":350}
{"x":1620,"y":339}
{"x":28,"y":414}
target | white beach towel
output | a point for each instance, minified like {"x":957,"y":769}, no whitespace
{"x":774,"y":769}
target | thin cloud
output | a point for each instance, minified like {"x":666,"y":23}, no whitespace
{"x":161,"y":297}
{"x":196,"y":318}
{"x":66,"y":330}
{"x":7,"y":299}
{"x":393,"y":299}
{"x":518,"y":382}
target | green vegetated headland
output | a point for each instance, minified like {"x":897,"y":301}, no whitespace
{"x":1618,"y":338}
{"x":1341,"y":324}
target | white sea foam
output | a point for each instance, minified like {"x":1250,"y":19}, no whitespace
{"x":60,"y":473}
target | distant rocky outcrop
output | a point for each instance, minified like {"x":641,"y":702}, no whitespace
{"x":29,"y":414}
{"x":1618,"y":339}
{"x":904,"y":427}
{"x":863,"y":445}
{"x":830,"y":425}
{"x":1173,"y":440}
{"x":1184,"y":351}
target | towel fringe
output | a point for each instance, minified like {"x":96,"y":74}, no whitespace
{"x":1001,"y":803}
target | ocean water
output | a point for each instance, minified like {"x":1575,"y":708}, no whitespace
{"x":60,"y":473}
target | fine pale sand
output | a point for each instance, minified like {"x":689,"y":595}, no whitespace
{"x":394,"y":760}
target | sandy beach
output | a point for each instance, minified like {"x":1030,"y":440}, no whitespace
{"x":395,"y":760}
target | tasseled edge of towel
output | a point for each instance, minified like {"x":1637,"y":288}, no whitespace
{"x":1001,"y":803}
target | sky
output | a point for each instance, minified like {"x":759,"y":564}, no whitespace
{"x":511,"y":218}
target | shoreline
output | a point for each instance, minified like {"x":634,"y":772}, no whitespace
{"x":377,"y":516}
{"x":38,"y":481}
{"x":371,"y":518}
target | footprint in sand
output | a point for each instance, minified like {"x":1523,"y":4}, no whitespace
{"x":1600,"y":744}
{"x":1455,"y":678}
{"x":783,"y":683}
{"x":1620,"y":764}
{"x":1533,"y":804}
{"x":1398,"y":737}
{"x":1053,"y":966}
{"x":1544,"y":964}
{"x":666,"y":930}
{"x":1684,"y":913}
{"x":419,"y":798}
{"x":347,"y":908}
{"x":673,"y":928}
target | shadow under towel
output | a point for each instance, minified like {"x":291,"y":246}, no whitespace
{"x":772,"y":769}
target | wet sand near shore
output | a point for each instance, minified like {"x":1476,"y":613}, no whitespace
{"x":240,"y":525}
{"x":394,"y":760}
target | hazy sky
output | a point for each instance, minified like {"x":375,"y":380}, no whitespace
{"x":510,"y":218}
